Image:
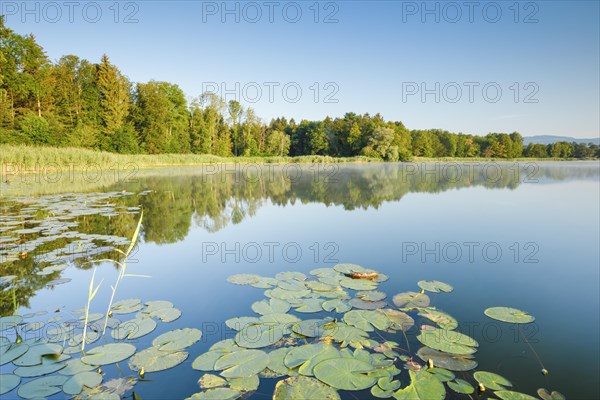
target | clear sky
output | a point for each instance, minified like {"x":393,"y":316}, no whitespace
{"x":427,"y":64}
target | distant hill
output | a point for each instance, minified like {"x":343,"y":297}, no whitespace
{"x":548,"y":139}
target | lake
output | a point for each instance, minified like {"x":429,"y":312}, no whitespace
{"x":501,"y":234}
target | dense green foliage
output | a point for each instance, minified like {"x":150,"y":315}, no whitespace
{"x":74,"y":102}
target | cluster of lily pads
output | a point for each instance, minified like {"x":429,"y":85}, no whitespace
{"x":349,"y":346}
{"x":50,"y":351}
{"x":29,"y":223}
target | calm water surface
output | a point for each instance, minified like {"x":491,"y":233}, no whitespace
{"x":522,"y":236}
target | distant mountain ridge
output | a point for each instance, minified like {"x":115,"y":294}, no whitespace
{"x":548,"y":139}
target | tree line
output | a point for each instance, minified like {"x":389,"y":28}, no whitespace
{"x":78,"y":103}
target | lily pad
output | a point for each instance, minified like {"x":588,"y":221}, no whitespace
{"x":126,"y":306}
{"x":461,"y":386}
{"x":398,"y":320}
{"x":78,"y":382}
{"x":349,"y":268}
{"x":10,"y":322}
{"x":443,"y":320}
{"x":244,"y":279}
{"x":309,"y":306}
{"x":546,"y":395}
{"x":435,"y":286}
{"x":242,"y":364}
{"x":209,"y":381}
{"x":12,"y":352}
{"x":38,"y":370}
{"x":423,"y":386}
{"x":36,"y":352}
{"x":42,"y":387}
{"x":177,"y":340}
{"x":259,"y":335}
{"x":217,"y":394}
{"x":152,"y":359}
{"x":108,"y":354}
{"x":8,"y":382}
{"x":75,"y":366}
{"x":239,"y":323}
{"x":491,"y":380}
{"x":301,"y":354}
{"x":244,"y":385}
{"x":510,"y":315}
{"x":345,"y":373}
{"x":453,"y":362}
{"x":337,"y":305}
{"x":367,"y":320}
{"x":346,"y":335}
{"x":367,"y":305}
{"x":271,"y":306}
{"x":302,"y":387}
{"x":358,"y":284}
{"x":310,"y":327}
{"x":508,"y":395}
{"x":448,"y":341}
{"x":411,"y":300}
{"x":133,"y":329}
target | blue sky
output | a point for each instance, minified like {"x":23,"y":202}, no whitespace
{"x":436,"y":69}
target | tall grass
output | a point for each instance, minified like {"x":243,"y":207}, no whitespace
{"x":31,"y":157}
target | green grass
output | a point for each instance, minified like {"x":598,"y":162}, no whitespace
{"x":32,"y":157}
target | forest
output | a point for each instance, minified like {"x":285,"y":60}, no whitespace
{"x":74,"y":102}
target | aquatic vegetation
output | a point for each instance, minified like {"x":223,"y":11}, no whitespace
{"x":349,"y":345}
{"x":55,"y":368}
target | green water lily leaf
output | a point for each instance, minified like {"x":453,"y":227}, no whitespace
{"x":435,"y":286}
{"x":217,"y":394}
{"x":349,"y":268}
{"x":10,"y":322}
{"x":35,"y":354}
{"x":380,"y":393}
{"x":328,"y":351}
{"x":423,"y":385}
{"x":310,"y":327}
{"x":510,"y":315}
{"x":281,"y":294}
{"x":271,"y":306}
{"x":42,"y":387}
{"x":152,"y":359}
{"x":398,"y":319}
{"x":206,"y":361}
{"x":301,"y":354}
{"x":242,"y":364}
{"x":411,"y":300}
{"x":324,"y":272}
{"x":546,"y":395}
{"x":367,"y":320}
{"x":12,"y":352}
{"x":75,"y":366}
{"x":508,"y":395}
{"x":309,"y":305}
{"x":345,"y":373}
{"x":443,"y":375}
{"x":387,"y":383}
{"x":209,"y":381}
{"x":443,"y":320}
{"x":358,"y":284}
{"x":346,"y":335}
{"x":8,"y":382}
{"x":126,"y":306}
{"x":302,"y":387}
{"x":290,"y":275}
{"x":319,"y":286}
{"x":291,"y":285}
{"x":133,"y":329}
{"x":491,"y":380}
{"x":447,"y":341}
{"x":167,"y":314}
{"x":38,"y":370}
{"x":244,"y":279}
{"x":178,"y":339}
{"x":276,"y":361}
{"x":108,"y":354}
{"x":78,"y":382}
{"x":259,"y":335}
{"x":367,"y":305}
{"x":371,"y":295}
{"x":337,"y":305}
{"x":248,"y":384}
{"x":461,"y":386}
{"x":453,"y":362}
{"x":239,"y":323}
